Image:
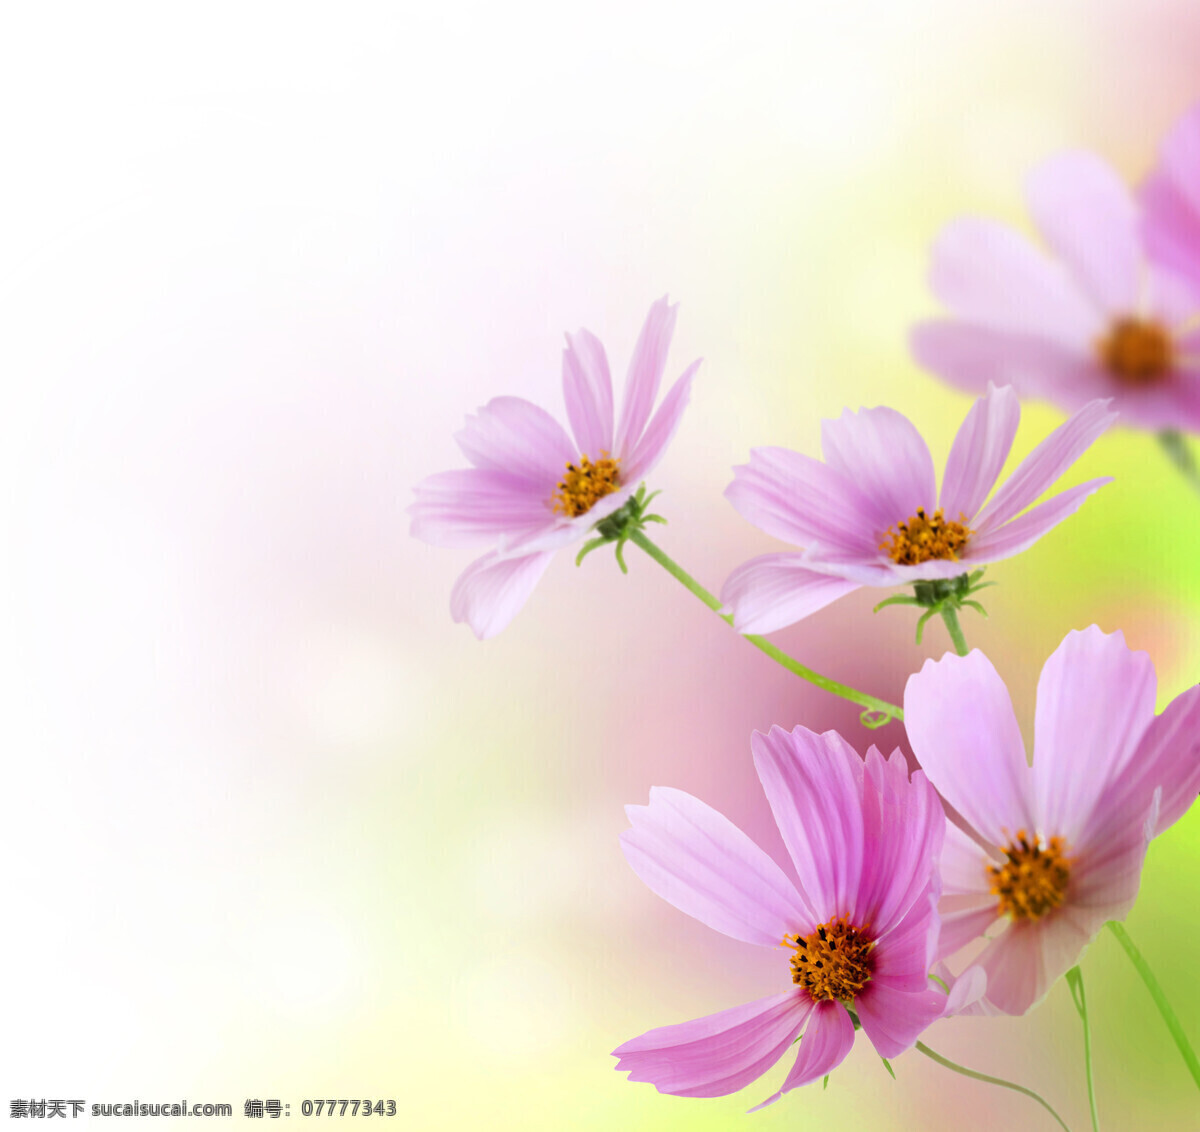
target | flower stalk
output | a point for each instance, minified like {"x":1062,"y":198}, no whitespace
{"x":921,"y":1047}
{"x":1160,"y":999}
{"x":627,"y":525}
{"x":1075,"y":983}
{"x":1175,"y":445}
{"x":944,"y":596}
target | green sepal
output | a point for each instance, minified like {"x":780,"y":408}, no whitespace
{"x":888,"y":1066}
{"x":620,"y":549}
{"x":618,"y":527}
{"x":937,"y":595}
{"x":898,"y":599}
{"x":588,"y":547}
{"x":921,"y":623}
{"x":825,"y":1083}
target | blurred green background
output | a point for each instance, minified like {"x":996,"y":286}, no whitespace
{"x":276,"y":827}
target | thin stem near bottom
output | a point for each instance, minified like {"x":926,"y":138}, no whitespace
{"x":1160,"y":999}
{"x":921,"y":1047}
{"x":877,"y":711}
{"x":1075,"y":982}
{"x":955,"y":630}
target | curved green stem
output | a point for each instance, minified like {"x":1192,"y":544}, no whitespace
{"x":880,"y":708}
{"x":1075,"y":982}
{"x":923,"y":1048}
{"x":1160,"y":999}
{"x":955,"y":630}
{"x":1175,"y":445}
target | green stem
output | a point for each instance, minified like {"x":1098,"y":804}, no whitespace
{"x":880,"y":707}
{"x":1160,"y":999}
{"x":1176,"y":447}
{"x":955,"y":630}
{"x":923,"y":1048}
{"x":1075,"y":982}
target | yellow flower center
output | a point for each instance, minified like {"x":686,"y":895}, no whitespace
{"x":834,"y":962}
{"x":1136,"y":351}
{"x":584,"y":483}
{"x":1034,"y":878}
{"x":921,"y":538}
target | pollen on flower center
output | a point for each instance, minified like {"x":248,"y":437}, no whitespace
{"x":1136,"y":351}
{"x":921,"y":538}
{"x":1034,"y":878}
{"x":585,"y":483}
{"x":833,"y":962}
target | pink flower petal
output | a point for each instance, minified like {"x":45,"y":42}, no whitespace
{"x":966,"y":990}
{"x":982,"y":445}
{"x":1171,"y":198}
{"x":587,"y":391}
{"x":1045,"y":464}
{"x":645,"y":372}
{"x":515,"y":436}
{"x":1016,"y":978}
{"x":718,"y":1054}
{"x":961,"y":725}
{"x":699,"y":861}
{"x":1106,"y":866}
{"x":964,"y":919}
{"x":660,"y":430}
{"x":1021,"y":533}
{"x":803,"y":501}
{"x":881,"y":452}
{"x":1095,"y":699}
{"x":963,"y":864}
{"x":1087,"y":215}
{"x":1170,"y":225}
{"x":476,"y":507}
{"x":967,"y":907}
{"x":1173,"y":299}
{"x":1167,"y":759}
{"x":894,"y":1019}
{"x":826,"y":1041}
{"x":490,"y":592}
{"x":971,"y":357}
{"x":775,"y":590}
{"x":904,"y":954}
{"x":1028,"y":959}
{"x":814,"y":784}
{"x":988,"y":274}
{"x":903,"y":827}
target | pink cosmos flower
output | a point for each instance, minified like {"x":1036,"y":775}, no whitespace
{"x":1053,"y":850}
{"x":534,"y":488}
{"x":859,"y":928}
{"x":1090,"y":316}
{"x":871,"y":515}
{"x":1171,"y":201}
